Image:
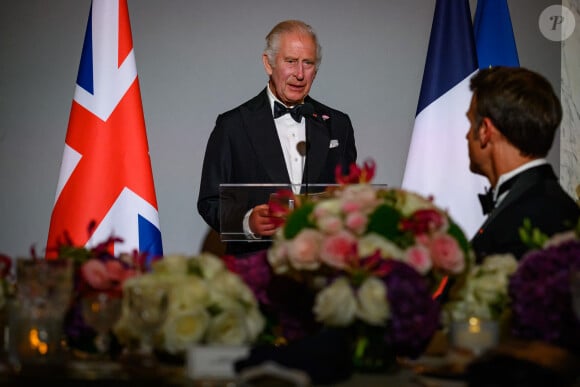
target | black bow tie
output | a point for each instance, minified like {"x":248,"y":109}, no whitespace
{"x":487,"y":202}
{"x":486,"y":199}
{"x":280,"y":110}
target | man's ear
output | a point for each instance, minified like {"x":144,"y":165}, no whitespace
{"x":486,"y":131}
{"x":267,"y":66}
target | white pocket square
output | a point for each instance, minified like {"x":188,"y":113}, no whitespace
{"x":333,"y":143}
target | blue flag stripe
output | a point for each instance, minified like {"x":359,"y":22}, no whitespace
{"x":451,"y":54}
{"x":494,"y":35}
{"x":85,"y":75}
{"x":149,"y":239}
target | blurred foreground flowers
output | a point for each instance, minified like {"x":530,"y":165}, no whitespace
{"x":208,"y":304}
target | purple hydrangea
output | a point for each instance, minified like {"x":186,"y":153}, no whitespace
{"x":541,"y":297}
{"x":414,"y":313}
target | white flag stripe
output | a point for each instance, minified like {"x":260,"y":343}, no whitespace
{"x":439,"y":158}
{"x":111,"y":81}
{"x":123,"y":216}
{"x":70,"y":159}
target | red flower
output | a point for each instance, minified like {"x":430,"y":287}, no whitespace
{"x":423,"y":221}
{"x":356,"y":174}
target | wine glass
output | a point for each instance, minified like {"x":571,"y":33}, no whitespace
{"x":148,"y":304}
{"x":101,"y":310}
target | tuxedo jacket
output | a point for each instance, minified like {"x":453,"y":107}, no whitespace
{"x":536,"y":195}
{"x":244,"y":148}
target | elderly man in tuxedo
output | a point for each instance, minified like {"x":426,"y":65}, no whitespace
{"x":514,"y":115}
{"x":281,"y":135}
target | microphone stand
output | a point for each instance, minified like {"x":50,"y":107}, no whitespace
{"x":302,"y":148}
{"x":306,"y":111}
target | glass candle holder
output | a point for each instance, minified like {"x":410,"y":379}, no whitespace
{"x":43,"y":294}
{"x":475,"y":334}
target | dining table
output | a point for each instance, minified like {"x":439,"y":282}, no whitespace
{"x":510,"y":363}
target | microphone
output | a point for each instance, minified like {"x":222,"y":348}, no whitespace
{"x":301,"y":148}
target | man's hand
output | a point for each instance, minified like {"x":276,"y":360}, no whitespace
{"x":261,"y":222}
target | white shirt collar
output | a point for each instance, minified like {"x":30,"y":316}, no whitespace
{"x":513,"y":172}
{"x":273,"y":98}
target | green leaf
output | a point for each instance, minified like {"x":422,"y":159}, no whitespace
{"x":456,"y":232}
{"x":385,"y":222}
{"x":298,"y":220}
{"x":531,"y":236}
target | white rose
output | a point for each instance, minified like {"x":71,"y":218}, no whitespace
{"x":148,"y":280}
{"x":335,"y":305}
{"x":365,"y":195}
{"x":255,"y":323}
{"x":232,"y":286}
{"x":505,"y":263}
{"x":327,"y":207}
{"x":372,"y":242}
{"x":490,"y":288}
{"x":228,"y":327}
{"x":278,"y":258}
{"x":410,"y":202}
{"x":330,"y":224}
{"x":210,"y":265}
{"x":171,"y":264}
{"x":183,"y":328}
{"x":373,"y":306}
{"x":188,"y":293}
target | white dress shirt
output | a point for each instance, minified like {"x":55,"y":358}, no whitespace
{"x":290,"y":134}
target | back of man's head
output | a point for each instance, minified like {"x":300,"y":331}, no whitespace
{"x":522,"y":104}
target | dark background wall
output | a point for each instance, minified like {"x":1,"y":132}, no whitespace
{"x":196,"y":59}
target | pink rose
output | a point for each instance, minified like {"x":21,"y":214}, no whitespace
{"x":351,"y":206}
{"x":337,"y":249}
{"x":303,"y":250}
{"x":330,"y":224}
{"x":447,"y":254}
{"x":95,"y":274}
{"x":115,"y":270}
{"x":419,"y":258}
{"x":357,"y":222}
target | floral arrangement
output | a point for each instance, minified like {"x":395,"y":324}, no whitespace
{"x":370,"y":257}
{"x":96,"y":269}
{"x":208,"y":304}
{"x":540,"y":291}
{"x":358,"y":220}
{"x":484,"y":292}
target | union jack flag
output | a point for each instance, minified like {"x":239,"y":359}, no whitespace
{"x":106,"y":178}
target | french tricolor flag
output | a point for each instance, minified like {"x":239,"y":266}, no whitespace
{"x":438,"y":161}
{"x":106,"y":178}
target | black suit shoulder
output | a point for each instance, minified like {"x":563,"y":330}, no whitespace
{"x":543,"y":202}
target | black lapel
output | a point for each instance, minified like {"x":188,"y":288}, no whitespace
{"x":318,"y":132}
{"x":259,"y":125}
{"x":521,"y":185}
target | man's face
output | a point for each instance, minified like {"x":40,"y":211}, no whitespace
{"x":472,"y":136}
{"x":294,"y":70}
